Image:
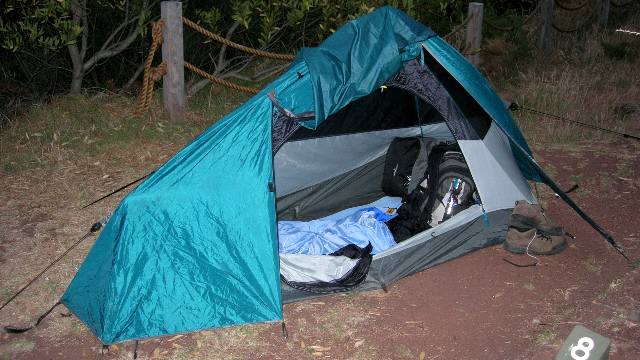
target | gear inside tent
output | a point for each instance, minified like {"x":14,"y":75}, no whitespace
{"x":376,"y":155}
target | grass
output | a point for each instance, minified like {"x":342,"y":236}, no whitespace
{"x":592,"y":266}
{"x":529,"y":286}
{"x":581,"y":81}
{"x":545,"y":337}
{"x":403,"y":351}
{"x":16,"y":346}
{"x":74,"y":126}
{"x":615,"y":285}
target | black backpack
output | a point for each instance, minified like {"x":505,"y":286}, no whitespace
{"x":455,"y":181}
{"x":446,"y":167}
{"x":398,"y":166}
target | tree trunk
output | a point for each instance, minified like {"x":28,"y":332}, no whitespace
{"x":78,"y":51}
{"x":77,"y":70}
{"x":79,"y":14}
{"x":76,"y":78}
{"x":76,"y":84}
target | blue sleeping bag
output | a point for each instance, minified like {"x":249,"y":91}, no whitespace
{"x":359,"y":226}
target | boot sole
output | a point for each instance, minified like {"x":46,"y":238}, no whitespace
{"x":519,"y":250}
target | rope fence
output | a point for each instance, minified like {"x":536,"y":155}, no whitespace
{"x":473,"y":23}
{"x":220,"y":81}
{"x":154,"y":74}
{"x":231,"y":44}
{"x":151,"y":75}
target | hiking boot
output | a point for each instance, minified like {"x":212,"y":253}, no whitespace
{"x":538,"y":242}
{"x":527,"y":216}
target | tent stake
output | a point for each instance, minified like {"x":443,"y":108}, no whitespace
{"x":135,"y":350}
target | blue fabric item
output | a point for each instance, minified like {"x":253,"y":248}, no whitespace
{"x":325,"y":236}
{"x":383,"y":204}
{"x":478,"y":87}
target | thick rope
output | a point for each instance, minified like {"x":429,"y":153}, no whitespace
{"x":569,"y":7}
{"x":220,"y":81}
{"x":151,"y":75}
{"x":234,"y":45}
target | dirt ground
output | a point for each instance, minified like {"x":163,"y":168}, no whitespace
{"x":475,"y":307}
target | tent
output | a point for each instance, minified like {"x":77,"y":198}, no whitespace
{"x":195,"y":246}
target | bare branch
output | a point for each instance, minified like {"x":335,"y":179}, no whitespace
{"x":270,"y":70}
{"x":134,"y":77}
{"x":115,"y":49}
{"x":85,"y":31}
{"x":74,"y":53}
{"x":258,"y":76}
{"x":125,"y":23}
{"x":221,"y":55}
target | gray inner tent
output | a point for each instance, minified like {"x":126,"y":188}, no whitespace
{"x":340,"y":164}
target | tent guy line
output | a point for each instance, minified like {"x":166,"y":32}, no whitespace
{"x":515,"y":107}
{"x":117,"y":190}
{"x":94,"y":228}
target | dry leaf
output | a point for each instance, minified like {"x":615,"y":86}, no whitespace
{"x":317,"y":354}
{"x":320,"y":348}
{"x":358,"y":343}
{"x":422,"y":355}
{"x":175,"y":338}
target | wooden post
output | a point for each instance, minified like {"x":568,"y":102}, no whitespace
{"x":603,"y":18}
{"x":473,"y":40}
{"x":173,"y":56}
{"x":548,"y":12}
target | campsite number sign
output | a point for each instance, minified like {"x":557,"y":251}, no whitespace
{"x":584,"y":344}
{"x":582,"y":350}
